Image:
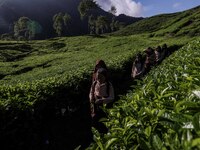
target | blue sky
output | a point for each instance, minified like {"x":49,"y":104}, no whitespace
{"x":147,"y":8}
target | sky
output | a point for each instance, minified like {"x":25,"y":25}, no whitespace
{"x":147,"y":8}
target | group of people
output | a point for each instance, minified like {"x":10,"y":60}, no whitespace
{"x":150,"y":57}
{"x":102,"y":92}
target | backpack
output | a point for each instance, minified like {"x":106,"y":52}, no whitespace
{"x":107,"y":86}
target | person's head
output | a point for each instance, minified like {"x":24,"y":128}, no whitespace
{"x":164,"y":46}
{"x":138,"y":57}
{"x":102,"y":75}
{"x":158,"y":49}
{"x":100,"y":64}
{"x":149,"y":51}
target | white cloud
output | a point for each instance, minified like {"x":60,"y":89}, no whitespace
{"x":176,"y":5}
{"x":128,"y":7}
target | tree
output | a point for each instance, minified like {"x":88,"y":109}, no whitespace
{"x":66,"y":19}
{"x":112,"y":25}
{"x":20,"y":26}
{"x":26,"y":28}
{"x":92,"y":24}
{"x":16,"y":29}
{"x":113,"y":10}
{"x":22,"y":22}
{"x":57,"y":23}
{"x":33,"y":28}
{"x":101,"y":24}
{"x":116,"y":25}
{"x":86,"y":5}
{"x":119,"y":25}
{"x":60,"y":21}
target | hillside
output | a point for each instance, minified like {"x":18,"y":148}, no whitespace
{"x":42,"y":11}
{"x":39,"y":78}
{"x":44,"y":86}
{"x":175,"y":24}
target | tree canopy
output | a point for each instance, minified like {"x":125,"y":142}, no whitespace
{"x":60,"y":21}
{"x":85,"y":5}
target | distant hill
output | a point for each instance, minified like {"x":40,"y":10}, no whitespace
{"x":175,"y":24}
{"x":43,"y":11}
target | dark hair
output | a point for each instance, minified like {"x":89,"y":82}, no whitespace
{"x":138,"y":57}
{"x":99,"y":64}
{"x":164,"y":46}
{"x":149,"y":51}
{"x":158,"y":49}
{"x":103,"y":72}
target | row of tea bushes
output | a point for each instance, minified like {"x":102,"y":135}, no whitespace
{"x":162,"y":111}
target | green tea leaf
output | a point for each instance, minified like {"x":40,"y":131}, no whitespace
{"x":196,"y":123}
{"x":148,"y":131}
{"x":156,"y":142}
{"x":196,"y":142}
{"x":110,"y":142}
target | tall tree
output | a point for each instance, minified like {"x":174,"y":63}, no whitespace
{"x":119,"y":25}
{"x":101,"y":24}
{"x":92,"y":24}
{"x":60,"y":21}
{"x":26,"y":28}
{"x":67,"y":20}
{"x":33,"y":28}
{"x":113,"y":10}
{"x":23,"y":21}
{"x":112,"y":25}
{"x":86,"y":5}
{"x":16,"y":29}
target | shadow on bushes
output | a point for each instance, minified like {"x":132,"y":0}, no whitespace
{"x":63,"y":120}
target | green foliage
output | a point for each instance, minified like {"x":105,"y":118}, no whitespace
{"x":47,"y":67}
{"x":116,"y":25}
{"x":85,"y":6}
{"x":92,"y":24}
{"x":26,"y":28}
{"x":176,"y":24}
{"x":36,"y":68}
{"x":162,"y":112}
{"x":34,"y":28}
{"x":60,"y":21}
{"x":66,"y":19}
{"x":102,"y":24}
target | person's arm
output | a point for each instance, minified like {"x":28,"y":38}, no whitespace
{"x":91,"y":95}
{"x":109,"y":99}
{"x":138,"y":71}
{"x":133,"y":71}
